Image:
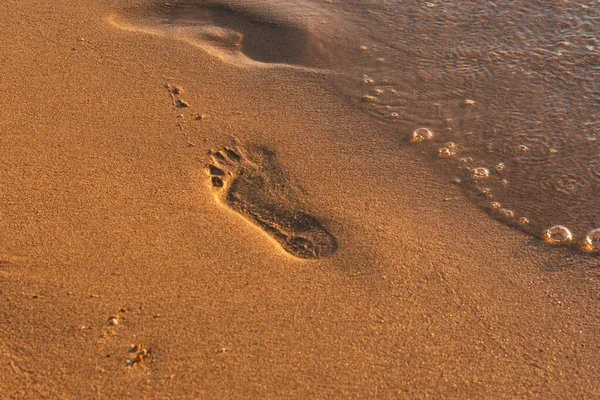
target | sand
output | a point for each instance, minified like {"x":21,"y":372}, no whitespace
{"x":329,"y":262}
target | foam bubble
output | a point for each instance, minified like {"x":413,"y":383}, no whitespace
{"x":479,"y":173}
{"x":487,"y":192}
{"x":445,"y":152}
{"x":522,"y":148}
{"x":591,"y":243}
{"x":506,"y":213}
{"x":421,"y":135}
{"x":523,"y":221}
{"x":558,"y":235}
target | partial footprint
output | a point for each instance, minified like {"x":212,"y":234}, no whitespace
{"x":257,"y":189}
{"x":264,"y":32}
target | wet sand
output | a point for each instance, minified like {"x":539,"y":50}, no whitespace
{"x":330,"y":261}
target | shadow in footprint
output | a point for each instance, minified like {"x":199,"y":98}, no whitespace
{"x":258,"y":190}
{"x":258,"y":34}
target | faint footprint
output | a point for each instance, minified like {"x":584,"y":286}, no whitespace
{"x":257,"y":189}
{"x":267,"y":33}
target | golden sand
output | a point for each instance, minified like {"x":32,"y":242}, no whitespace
{"x":344,"y":268}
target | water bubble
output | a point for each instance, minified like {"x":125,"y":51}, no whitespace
{"x":505,"y":212}
{"x":486,"y":192}
{"x":523,"y":221}
{"x":448,"y":150}
{"x":479,"y":173}
{"x":421,"y":135}
{"x":557,"y":235}
{"x":495,"y":205}
{"x":501,"y":167}
{"x":465,"y":161}
{"x":522,"y":148}
{"x":469,"y":102}
{"x":592,"y":241}
{"x":395,"y":115}
{"x":445,"y":152}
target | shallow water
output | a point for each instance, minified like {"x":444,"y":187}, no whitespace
{"x":514,"y":86}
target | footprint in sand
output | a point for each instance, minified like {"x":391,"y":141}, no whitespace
{"x":263,"y":32}
{"x":256,"y":188}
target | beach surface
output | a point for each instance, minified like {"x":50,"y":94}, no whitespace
{"x":192,"y":205}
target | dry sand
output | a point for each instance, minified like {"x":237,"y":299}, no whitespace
{"x":126,"y":273}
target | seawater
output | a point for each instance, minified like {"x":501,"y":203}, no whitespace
{"x":510,"y":91}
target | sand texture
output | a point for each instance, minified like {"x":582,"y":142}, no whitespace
{"x":188,"y":213}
